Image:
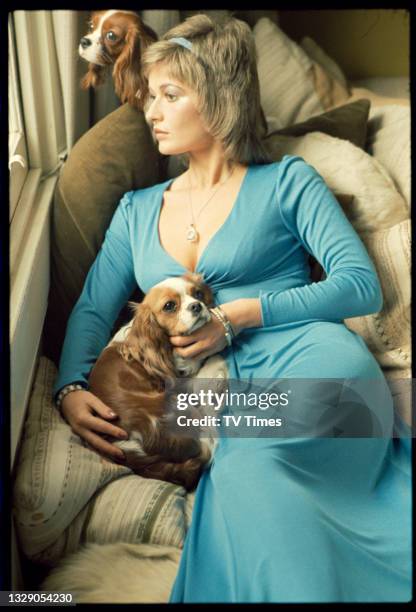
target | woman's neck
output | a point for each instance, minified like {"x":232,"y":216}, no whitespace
{"x":205,"y":173}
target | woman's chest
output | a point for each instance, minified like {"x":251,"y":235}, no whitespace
{"x":187,"y":223}
{"x":244,"y":244}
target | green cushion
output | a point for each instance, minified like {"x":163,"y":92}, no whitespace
{"x":115,"y":156}
{"x":348,"y":122}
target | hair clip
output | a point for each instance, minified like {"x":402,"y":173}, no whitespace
{"x":182,"y":41}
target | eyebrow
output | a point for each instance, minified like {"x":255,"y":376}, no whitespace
{"x":164,"y":85}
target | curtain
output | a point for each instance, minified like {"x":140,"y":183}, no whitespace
{"x":56,"y":111}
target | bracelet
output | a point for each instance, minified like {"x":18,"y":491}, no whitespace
{"x":225,"y":320}
{"x":67,"y":389}
{"x":229,"y":332}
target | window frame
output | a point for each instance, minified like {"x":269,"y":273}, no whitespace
{"x":18,"y":157}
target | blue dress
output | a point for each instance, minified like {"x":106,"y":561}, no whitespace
{"x":304,"y":518}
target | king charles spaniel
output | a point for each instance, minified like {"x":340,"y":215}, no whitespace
{"x":130,"y":375}
{"x":116,"y":38}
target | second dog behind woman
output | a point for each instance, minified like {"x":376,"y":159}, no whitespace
{"x":116,"y":40}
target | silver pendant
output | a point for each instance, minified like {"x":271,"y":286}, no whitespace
{"x":192,"y":234}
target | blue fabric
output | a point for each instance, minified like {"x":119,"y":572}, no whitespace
{"x":275,"y":519}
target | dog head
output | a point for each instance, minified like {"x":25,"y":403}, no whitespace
{"x":116,"y":38}
{"x":174,"y":307}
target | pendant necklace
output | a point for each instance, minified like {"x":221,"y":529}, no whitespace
{"x":191,"y":232}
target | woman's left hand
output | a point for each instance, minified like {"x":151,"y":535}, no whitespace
{"x":206,"y":341}
{"x":210,"y":338}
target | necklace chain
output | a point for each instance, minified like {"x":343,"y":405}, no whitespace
{"x":191,"y":232}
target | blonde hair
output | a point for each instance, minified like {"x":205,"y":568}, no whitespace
{"x":222,"y":69}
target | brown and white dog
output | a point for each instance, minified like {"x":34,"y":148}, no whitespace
{"x":116,"y":38}
{"x":131,"y":373}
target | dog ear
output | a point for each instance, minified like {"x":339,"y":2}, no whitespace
{"x":149,"y":344}
{"x":129,"y":83}
{"x":94,"y":77}
{"x":194,"y":277}
{"x":198,"y":279}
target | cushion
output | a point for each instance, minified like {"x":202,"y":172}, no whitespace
{"x":66,"y":494}
{"x":318,"y":55}
{"x":375,"y":98}
{"x":347,"y":170}
{"x":295,"y":82}
{"x":348,"y":122}
{"x":285,"y":74}
{"x":329,"y":82}
{"x":387,"y":333}
{"x":115,"y":156}
{"x":388,"y":140}
{"x":116,"y":573}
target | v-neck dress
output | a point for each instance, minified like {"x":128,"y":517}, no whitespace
{"x":289,"y":518}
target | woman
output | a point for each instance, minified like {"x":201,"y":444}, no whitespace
{"x":311,"y":518}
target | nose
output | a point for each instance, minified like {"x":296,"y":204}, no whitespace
{"x":195,"y":307}
{"x":85,"y":42}
{"x":153,"y":112}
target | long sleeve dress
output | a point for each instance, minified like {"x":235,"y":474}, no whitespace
{"x":302,"y":517}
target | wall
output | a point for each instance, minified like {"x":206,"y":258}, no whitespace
{"x":365,"y":43}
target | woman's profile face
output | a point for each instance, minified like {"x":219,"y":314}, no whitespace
{"x":172,"y":111}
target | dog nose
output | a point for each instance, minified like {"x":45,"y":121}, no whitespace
{"x":195,"y":307}
{"x":85,"y":42}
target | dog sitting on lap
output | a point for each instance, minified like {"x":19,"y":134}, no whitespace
{"x":130,"y":377}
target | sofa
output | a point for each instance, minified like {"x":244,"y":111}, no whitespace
{"x":71,"y":505}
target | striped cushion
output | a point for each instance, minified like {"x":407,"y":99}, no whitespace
{"x":293,"y":86}
{"x":66,"y":494}
{"x":286,"y":76}
{"x":387,"y":333}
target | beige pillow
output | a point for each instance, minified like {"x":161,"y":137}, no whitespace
{"x":330,"y":92}
{"x":347,"y":170}
{"x":375,"y":98}
{"x":329,"y":81}
{"x":286,"y":76}
{"x":318,"y":55}
{"x":116,"y":573}
{"x":388,"y":140}
{"x":296,"y":81}
{"x":387,"y":333}
{"x":66,"y":494}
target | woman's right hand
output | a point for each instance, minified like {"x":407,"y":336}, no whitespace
{"x":79,"y":408}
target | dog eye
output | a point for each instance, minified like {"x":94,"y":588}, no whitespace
{"x":169,"y":306}
{"x":111,"y":36}
{"x":199,"y":295}
{"x":90,"y":26}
